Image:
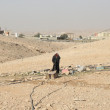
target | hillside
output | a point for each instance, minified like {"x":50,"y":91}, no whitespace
{"x":78,"y":54}
{"x":12,"y":48}
{"x":82,"y":91}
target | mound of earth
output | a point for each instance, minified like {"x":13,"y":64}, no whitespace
{"x":12,"y":48}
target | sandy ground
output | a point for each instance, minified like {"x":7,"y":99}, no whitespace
{"x":88,"y":91}
{"x":84,"y":92}
{"x":83,"y":54}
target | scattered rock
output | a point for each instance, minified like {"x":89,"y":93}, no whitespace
{"x":88,"y":69}
{"x":12,"y":80}
{"x":25,"y":79}
{"x":48,"y":105}
{"x":44,"y":77}
{"x":4,"y":74}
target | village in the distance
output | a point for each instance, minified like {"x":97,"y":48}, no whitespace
{"x":70,"y":36}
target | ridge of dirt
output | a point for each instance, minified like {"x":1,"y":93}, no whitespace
{"x":17,"y":48}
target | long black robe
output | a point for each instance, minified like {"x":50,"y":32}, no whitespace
{"x":56,"y":61}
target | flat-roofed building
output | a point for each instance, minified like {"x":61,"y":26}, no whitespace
{"x":71,"y":35}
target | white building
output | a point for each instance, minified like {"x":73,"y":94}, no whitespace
{"x":71,"y":35}
{"x":101,"y":35}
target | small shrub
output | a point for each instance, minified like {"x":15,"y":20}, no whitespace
{"x":37,"y":35}
{"x":80,"y":37}
{"x":21,"y":35}
{"x":63,"y":37}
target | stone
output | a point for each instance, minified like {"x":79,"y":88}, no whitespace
{"x":4,"y":74}
{"x":25,"y":79}
{"x":12,"y":80}
{"x":44,"y":77}
{"x":88,"y":69}
{"x":48,"y":105}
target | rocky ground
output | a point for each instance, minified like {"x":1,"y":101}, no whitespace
{"x":20,"y":90}
{"x":87,"y":91}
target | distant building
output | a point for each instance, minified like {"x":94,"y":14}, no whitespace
{"x":16,"y":35}
{"x":6,"y":33}
{"x":71,"y":35}
{"x":101,"y":35}
{"x":104,"y":34}
{"x":43,"y":37}
{"x":56,"y":36}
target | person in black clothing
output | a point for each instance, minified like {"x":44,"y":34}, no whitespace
{"x":56,"y":61}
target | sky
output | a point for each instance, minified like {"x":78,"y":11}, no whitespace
{"x":54,"y":15}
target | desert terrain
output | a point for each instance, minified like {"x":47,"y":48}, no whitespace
{"x":20,"y":90}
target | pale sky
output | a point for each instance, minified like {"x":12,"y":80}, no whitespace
{"x":54,"y":15}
